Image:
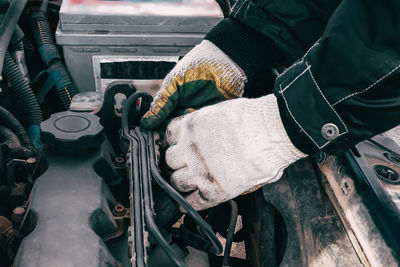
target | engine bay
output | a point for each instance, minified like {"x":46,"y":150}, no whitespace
{"x":81,"y":184}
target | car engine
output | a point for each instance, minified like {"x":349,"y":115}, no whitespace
{"x":81,"y":184}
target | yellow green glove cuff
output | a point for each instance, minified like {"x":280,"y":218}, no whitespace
{"x":205,"y":76}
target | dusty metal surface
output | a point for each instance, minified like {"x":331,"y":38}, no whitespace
{"x":315,"y":234}
{"x":355,"y":215}
{"x":150,"y":86}
{"x":140,"y":16}
{"x":92,"y":28}
{"x":394,"y":134}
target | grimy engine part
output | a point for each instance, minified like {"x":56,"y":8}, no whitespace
{"x":143,"y":167}
{"x":70,"y":202}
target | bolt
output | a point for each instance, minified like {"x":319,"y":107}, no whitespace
{"x":347,"y":186}
{"x":387,"y":174}
{"x":31,"y":161}
{"x":19,"y":211}
{"x":18,"y":215}
{"x":30,"y":164}
{"x":119,"y":161}
{"x":119,"y":100}
{"x":119,"y":210}
{"x":390,"y":174}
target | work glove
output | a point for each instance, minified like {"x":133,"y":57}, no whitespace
{"x":233,"y":61}
{"x":224,"y":150}
{"x":205,"y":76}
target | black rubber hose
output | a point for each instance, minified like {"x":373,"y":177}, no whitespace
{"x":52,"y":6}
{"x":127,"y":108}
{"x":25,"y":95}
{"x":16,"y":48}
{"x":44,"y":5}
{"x":216,"y":244}
{"x":135,"y":170}
{"x":9,"y":121}
{"x":16,"y":43}
{"x":136,"y":202}
{"x":231,"y":233}
{"x":7,"y":27}
{"x":146,"y":186}
{"x":206,"y":229}
{"x":63,"y":84}
{"x":23,"y":90}
{"x":18,"y":54}
{"x":42,"y":33}
{"x":49,"y":53}
{"x":16,"y":149}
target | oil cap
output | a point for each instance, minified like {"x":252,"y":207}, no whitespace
{"x":72,"y":131}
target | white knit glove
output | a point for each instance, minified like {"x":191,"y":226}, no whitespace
{"x":224,"y":150}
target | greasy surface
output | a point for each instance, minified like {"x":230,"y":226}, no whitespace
{"x":395,"y":134}
{"x":315,"y":234}
{"x":349,"y":198}
{"x":69,"y":214}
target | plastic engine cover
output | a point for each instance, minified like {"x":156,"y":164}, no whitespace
{"x":69,"y":208}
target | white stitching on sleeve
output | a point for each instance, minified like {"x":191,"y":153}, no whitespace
{"x":298,"y":124}
{"x":319,"y":89}
{"x":294,"y":119}
{"x":237,"y":11}
{"x":301,"y":61}
{"x":311,"y":48}
{"x":369,"y":87}
{"x":298,"y":76}
{"x":286,"y":70}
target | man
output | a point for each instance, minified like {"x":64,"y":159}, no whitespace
{"x":341,"y":88}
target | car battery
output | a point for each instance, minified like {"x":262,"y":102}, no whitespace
{"x":134,"y":41}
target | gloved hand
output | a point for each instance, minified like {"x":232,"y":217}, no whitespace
{"x":205,"y":76}
{"x":224,"y":150}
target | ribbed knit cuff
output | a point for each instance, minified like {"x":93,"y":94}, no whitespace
{"x":251,"y":51}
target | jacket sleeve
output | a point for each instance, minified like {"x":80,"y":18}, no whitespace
{"x":293,"y":25}
{"x":346,"y":88}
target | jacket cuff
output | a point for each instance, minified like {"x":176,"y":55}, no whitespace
{"x":251,"y":51}
{"x":310,"y":120}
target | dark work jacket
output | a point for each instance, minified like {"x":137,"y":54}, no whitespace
{"x":344,"y":84}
